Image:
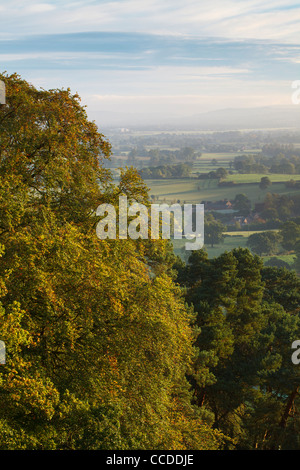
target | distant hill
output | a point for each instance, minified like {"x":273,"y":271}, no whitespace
{"x":247,"y":118}
{"x":268,"y":117}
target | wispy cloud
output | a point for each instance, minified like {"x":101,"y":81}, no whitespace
{"x":100,"y":50}
{"x":222,"y":18}
{"x":171,"y":56}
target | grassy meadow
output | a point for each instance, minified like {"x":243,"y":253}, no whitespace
{"x":239,"y":239}
{"x":230,"y":242}
{"x":193,"y":190}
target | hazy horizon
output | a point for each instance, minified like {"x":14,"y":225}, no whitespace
{"x":154,"y":62}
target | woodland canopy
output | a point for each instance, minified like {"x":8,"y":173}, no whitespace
{"x":118,"y":344}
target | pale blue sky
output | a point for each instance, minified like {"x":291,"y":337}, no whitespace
{"x":150,"y":57}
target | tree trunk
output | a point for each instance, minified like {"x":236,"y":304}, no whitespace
{"x":288,"y":407}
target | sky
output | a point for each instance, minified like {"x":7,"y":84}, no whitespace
{"x":151,"y":60}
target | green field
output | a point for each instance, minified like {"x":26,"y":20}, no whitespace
{"x":204,"y":163}
{"x":255,"y":178}
{"x":222,"y":156}
{"x":195,"y":191}
{"x":287,"y":258}
{"x":230,"y":242}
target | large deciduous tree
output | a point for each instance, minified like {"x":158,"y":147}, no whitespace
{"x":98,"y":337}
{"x":264,"y":243}
{"x":213,"y":233}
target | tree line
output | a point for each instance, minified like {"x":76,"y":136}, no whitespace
{"x":286,"y":239}
{"x":279,"y":163}
{"x":182,"y":170}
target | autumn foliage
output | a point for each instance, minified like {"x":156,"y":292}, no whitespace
{"x":98,"y":336}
